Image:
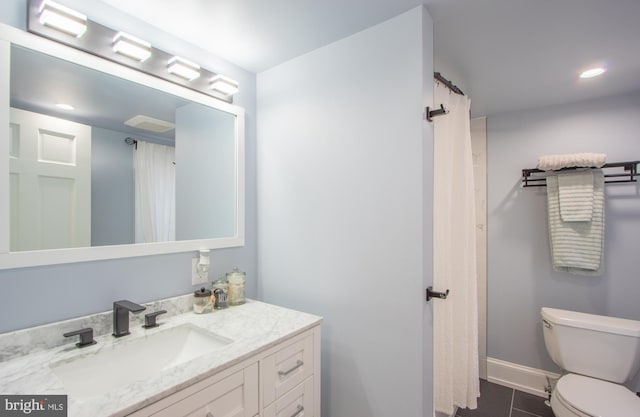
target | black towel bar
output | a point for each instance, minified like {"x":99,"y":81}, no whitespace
{"x":533,"y":177}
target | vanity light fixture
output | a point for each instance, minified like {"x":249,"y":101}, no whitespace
{"x":132,"y":47}
{"x":224,"y":85}
{"x":183,"y":68}
{"x":62,"y":18}
{"x":593,"y":72}
{"x":58,"y":23}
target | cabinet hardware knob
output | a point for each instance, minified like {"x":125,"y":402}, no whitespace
{"x":298,"y":364}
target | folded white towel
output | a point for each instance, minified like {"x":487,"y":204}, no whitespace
{"x":576,"y":195}
{"x":576,"y":247}
{"x":552,"y":162}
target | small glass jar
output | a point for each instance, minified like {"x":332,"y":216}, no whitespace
{"x":236,"y":279}
{"x":220,"y":289}
{"x":202,"y":301}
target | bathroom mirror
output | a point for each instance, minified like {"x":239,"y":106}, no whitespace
{"x":78,"y":184}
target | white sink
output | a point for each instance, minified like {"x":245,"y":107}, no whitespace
{"x":137,"y":359}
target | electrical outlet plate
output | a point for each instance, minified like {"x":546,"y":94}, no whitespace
{"x":195,"y":277}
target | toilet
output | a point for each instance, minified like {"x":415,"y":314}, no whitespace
{"x":600,"y":353}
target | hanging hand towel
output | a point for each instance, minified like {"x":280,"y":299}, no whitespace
{"x":576,"y":196}
{"x":576,"y":247}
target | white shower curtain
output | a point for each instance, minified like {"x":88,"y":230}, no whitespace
{"x":155,"y":193}
{"x":456,"y":378}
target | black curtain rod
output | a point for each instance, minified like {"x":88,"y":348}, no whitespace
{"x":131,"y":141}
{"x":447,"y":83}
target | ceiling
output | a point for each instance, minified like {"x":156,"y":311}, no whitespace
{"x":505,"y":54}
{"x":100,"y":100}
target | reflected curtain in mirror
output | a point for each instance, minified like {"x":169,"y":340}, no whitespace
{"x":155,"y":193}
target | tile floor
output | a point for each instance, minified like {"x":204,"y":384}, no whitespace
{"x":498,"y":401}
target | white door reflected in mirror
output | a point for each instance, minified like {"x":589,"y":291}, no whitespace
{"x":49,"y":182}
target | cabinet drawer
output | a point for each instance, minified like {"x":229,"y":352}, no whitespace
{"x":233,"y":396}
{"x":286,"y":368}
{"x":296,"y":403}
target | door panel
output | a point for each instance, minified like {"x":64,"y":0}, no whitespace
{"x":50,"y":185}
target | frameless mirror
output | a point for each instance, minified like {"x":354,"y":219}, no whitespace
{"x":138,"y":166}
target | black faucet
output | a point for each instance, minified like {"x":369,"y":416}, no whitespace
{"x":121,"y":311}
{"x":86,"y":337}
{"x":151,"y":319}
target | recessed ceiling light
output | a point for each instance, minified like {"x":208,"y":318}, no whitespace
{"x":64,"y":106}
{"x":593,"y":72}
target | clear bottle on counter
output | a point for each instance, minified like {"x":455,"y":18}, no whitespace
{"x":236,"y":280}
{"x":202,"y":301}
{"x":220,"y":289}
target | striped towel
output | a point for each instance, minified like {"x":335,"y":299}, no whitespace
{"x":576,"y":247}
{"x":576,"y":196}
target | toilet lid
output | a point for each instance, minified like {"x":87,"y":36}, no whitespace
{"x":598,"y":398}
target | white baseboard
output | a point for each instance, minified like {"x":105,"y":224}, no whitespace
{"x":520,"y":377}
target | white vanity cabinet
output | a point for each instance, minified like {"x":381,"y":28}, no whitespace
{"x":287,"y":379}
{"x":232,"y":393}
{"x":280,"y":381}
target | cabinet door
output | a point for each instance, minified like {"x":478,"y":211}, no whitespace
{"x":296,"y":403}
{"x":234,"y":396}
{"x":286,"y":368}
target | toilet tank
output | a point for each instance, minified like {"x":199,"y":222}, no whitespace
{"x":598,"y":346}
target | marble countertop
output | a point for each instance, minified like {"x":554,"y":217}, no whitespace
{"x":253,"y":327}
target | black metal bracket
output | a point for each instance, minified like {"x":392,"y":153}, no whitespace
{"x":432,"y":113}
{"x":436,"y":294}
{"x":533,"y":177}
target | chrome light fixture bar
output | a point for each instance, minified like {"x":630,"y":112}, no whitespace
{"x":123,"y":49}
{"x":132,"y":47}
{"x":62,"y":18}
{"x":183,"y":68}
{"x":224,"y":85}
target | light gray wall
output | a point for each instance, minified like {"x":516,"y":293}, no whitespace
{"x":521,"y":279}
{"x":345,"y":210}
{"x":33,"y":296}
{"x":112,"y":188}
{"x":205,"y":187}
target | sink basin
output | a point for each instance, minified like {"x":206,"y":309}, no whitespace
{"x":134,"y":360}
